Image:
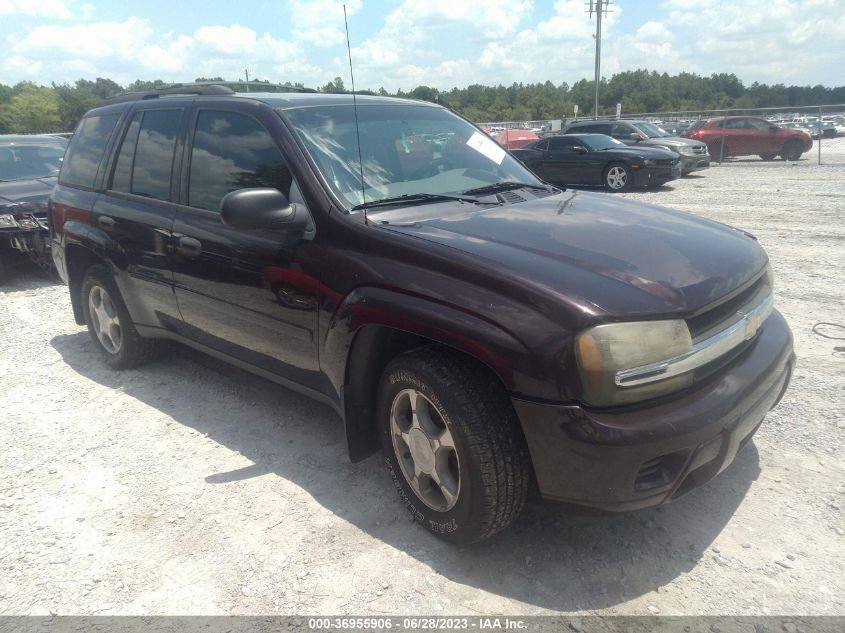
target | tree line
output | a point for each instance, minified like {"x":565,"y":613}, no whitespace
{"x":27,"y":108}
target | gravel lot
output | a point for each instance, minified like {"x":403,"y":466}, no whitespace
{"x":188,"y":487}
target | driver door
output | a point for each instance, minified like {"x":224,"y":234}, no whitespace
{"x":250,"y":294}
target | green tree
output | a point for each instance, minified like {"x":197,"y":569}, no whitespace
{"x":33,"y":110}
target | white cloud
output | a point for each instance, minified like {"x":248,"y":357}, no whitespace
{"x":782,"y":41}
{"x":45,"y":8}
{"x":320,"y":22}
{"x":133,"y":49}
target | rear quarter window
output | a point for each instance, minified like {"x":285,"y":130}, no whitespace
{"x":85,"y":152}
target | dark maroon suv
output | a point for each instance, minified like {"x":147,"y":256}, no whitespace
{"x":488,"y":332}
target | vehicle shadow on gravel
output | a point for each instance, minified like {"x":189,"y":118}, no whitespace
{"x":24,"y":275}
{"x":553,"y":558}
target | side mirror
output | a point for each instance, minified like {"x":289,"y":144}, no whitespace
{"x":256,"y":208}
{"x":636,"y":136}
{"x":774,"y":128}
{"x":579,"y":149}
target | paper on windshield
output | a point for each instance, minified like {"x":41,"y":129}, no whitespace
{"x":487,"y":147}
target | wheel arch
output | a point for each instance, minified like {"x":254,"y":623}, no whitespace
{"x":84,"y":247}
{"x":375,"y":325}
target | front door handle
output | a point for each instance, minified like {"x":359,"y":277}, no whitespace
{"x":189,"y":247}
{"x":106,"y":222}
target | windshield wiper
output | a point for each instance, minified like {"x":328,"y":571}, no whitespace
{"x":506,"y":185}
{"x":415,"y":198}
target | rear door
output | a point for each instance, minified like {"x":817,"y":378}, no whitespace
{"x":761,"y":138}
{"x":137,"y":209}
{"x":250,"y":294}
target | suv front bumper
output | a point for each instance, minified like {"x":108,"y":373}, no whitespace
{"x":649,"y":455}
{"x":694,"y":162}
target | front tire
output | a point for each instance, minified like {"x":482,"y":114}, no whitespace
{"x":453,"y":444}
{"x":618,"y":177}
{"x":109,"y":323}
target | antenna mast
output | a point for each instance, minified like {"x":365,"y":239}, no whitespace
{"x":355,"y":109}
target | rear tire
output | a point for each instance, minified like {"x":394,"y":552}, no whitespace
{"x":617,"y":177}
{"x":109,"y":323}
{"x":453,"y":444}
{"x":792,"y":151}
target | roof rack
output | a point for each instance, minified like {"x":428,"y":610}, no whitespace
{"x":172,"y":89}
{"x":203,"y":88}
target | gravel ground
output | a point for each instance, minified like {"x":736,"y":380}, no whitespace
{"x":188,"y":487}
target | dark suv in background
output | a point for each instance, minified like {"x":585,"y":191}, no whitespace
{"x":693,"y":153}
{"x":490,"y":333}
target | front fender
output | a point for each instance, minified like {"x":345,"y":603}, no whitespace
{"x":362,"y":336}
{"x":450,"y":325}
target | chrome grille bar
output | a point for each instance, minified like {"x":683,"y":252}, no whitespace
{"x":702,"y":352}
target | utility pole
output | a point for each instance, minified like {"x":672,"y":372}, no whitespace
{"x":246,"y":74}
{"x":599,"y":7}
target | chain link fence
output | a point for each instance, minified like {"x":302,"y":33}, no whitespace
{"x":740,"y":133}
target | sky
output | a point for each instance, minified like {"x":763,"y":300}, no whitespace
{"x":406,"y":43}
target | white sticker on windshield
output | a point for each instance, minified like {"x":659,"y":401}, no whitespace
{"x":486,"y":146}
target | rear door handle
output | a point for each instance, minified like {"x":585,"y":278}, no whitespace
{"x":189,"y":247}
{"x":106,"y":222}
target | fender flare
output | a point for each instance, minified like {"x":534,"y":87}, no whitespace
{"x":97,"y":246}
{"x":362,"y":337}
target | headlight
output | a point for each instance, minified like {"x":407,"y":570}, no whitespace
{"x":7,"y":220}
{"x":27,"y":222}
{"x":648,"y":162}
{"x":770,"y":276}
{"x":685,"y":149}
{"x":605,"y":351}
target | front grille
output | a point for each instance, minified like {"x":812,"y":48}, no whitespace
{"x":666,"y":161}
{"x":720,"y":316}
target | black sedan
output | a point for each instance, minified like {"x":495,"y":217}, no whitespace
{"x":597,"y":159}
{"x":28,"y":169}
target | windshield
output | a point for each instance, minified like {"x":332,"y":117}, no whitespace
{"x":651,"y":130}
{"x":601,"y":141}
{"x":21,"y":162}
{"x":405,"y":149}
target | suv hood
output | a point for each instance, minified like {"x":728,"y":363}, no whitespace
{"x":35,"y":191}
{"x":607,"y":254}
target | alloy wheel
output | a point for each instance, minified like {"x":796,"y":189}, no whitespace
{"x":425,"y":450}
{"x":104,"y":319}
{"x":617,"y":177}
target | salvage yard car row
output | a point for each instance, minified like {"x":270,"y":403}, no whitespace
{"x":621,"y":154}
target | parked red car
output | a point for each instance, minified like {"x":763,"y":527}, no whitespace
{"x":514,"y":139}
{"x":748,"y":135}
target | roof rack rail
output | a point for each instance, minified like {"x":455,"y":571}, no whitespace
{"x":204,"y":88}
{"x":238,"y":86}
{"x":172,"y":89}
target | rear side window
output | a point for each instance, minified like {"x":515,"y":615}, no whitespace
{"x":79,"y":168}
{"x":145,"y":160}
{"x":232,"y":151}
